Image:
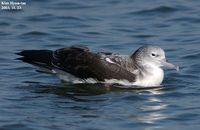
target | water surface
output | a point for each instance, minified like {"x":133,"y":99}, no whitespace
{"x":30,"y":100}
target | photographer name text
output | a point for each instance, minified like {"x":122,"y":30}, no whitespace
{"x":12,"y":5}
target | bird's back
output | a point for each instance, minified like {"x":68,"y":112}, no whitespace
{"x":82,"y":63}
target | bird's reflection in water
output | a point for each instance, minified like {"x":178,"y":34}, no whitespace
{"x":149,"y":110}
{"x":81,"y":89}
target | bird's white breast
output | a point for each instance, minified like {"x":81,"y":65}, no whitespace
{"x":153,"y":77}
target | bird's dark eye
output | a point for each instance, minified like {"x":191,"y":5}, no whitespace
{"x":153,"y":54}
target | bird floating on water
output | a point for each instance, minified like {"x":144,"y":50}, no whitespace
{"x":78,"y":63}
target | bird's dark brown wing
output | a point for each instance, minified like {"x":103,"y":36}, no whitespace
{"x":79,"y":61}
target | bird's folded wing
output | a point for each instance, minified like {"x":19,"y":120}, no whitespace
{"x":79,"y":61}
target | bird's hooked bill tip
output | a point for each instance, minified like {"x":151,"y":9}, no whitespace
{"x":170,"y":65}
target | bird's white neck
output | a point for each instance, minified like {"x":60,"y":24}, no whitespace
{"x":151,"y":76}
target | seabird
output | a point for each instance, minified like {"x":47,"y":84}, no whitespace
{"x":142,"y":68}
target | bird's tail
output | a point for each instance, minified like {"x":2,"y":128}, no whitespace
{"x":40,"y":58}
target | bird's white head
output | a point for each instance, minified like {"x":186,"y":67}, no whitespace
{"x":152,"y":57}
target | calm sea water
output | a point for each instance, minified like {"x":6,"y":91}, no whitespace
{"x":33,"y":101}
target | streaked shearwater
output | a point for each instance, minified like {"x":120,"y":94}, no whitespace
{"x":142,"y":68}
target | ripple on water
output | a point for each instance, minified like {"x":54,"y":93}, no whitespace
{"x":72,"y":18}
{"x":143,"y":36}
{"x":69,"y":6}
{"x":19,"y":126}
{"x":192,"y":56}
{"x":34,"y":34}
{"x":4,"y":24}
{"x":21,"y":26}
{"x":4,"y":34}
{"x":156,"y":10}
{"x":40,"y":18}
